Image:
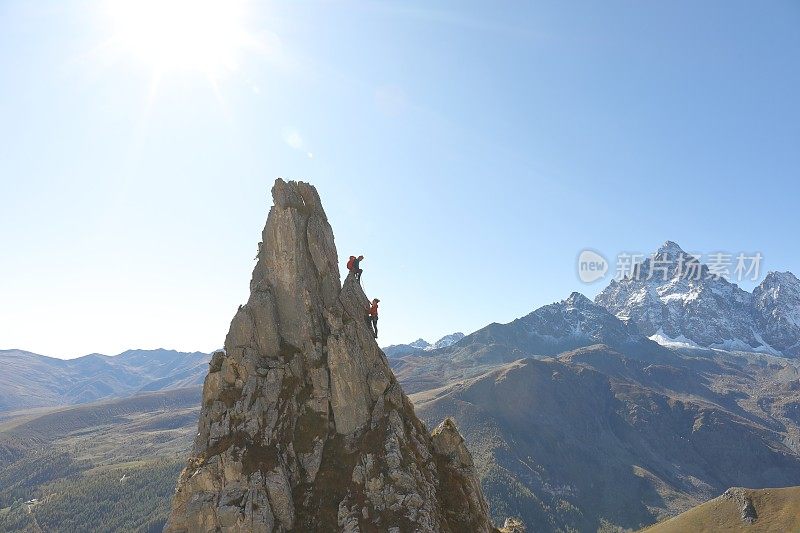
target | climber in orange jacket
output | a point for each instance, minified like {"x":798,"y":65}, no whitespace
{"x":372,"y":317}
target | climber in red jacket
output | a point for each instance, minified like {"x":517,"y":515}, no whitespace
{"x":372,"y":317}
{"x":353,"y":265}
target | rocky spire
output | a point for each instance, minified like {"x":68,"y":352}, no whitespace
{"x":303,"y":425}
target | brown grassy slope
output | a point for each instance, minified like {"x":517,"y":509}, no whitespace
{"x":778,"y":510}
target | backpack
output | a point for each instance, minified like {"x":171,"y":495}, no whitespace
{"x":350,"y":262}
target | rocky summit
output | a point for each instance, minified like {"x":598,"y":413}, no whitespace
{"x":303,"y":426}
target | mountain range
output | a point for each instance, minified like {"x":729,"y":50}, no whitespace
{"x":421,"y":345}
{"x":595,"y":436}
{"x":552,"y":329}
{"x":582,"y":415}
{"x":620,"y":412}
{"x":32,"y":380}
{"x":675,"y":299}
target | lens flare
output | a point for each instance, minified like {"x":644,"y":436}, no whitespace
{"x":205,"y":36}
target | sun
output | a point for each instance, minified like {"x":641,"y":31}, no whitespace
{"x":202,"y":36}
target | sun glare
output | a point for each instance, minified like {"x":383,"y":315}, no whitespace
{"x":205,"y":36}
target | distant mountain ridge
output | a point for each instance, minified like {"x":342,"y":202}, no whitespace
{"x":671,"y":298}
{"x":550,"y":330}
{"x":572,"y":323}
{"x":421,"y":345}
{"x":32,"y":380}
{"x":675,"y":299}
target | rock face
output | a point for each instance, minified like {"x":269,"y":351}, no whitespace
{"x":303,"y":425}
{"x":513,"y":525}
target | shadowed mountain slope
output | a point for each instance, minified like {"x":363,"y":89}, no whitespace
{"x":595,"y":437}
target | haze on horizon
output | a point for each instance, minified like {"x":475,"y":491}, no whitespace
{"x":469,"y":152}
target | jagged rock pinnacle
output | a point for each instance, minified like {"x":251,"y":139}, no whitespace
{"x":303,"y":425}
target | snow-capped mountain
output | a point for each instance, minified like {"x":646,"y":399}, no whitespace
{"x":421,"y":345}
{"x":671,"y":298}
{"x":776,"y":307}
{"x":676,"y":300}
{"x":447,"y":340}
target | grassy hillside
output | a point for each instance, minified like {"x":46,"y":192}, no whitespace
{"x":775,"y":510}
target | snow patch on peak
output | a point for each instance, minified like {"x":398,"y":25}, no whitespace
{"x":420,"y":343}
{"x":765,"y":347}
{"x":683,"y":297}
{"x":673,"y":342}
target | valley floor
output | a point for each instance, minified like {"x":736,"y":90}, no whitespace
{"x":107,"y":466}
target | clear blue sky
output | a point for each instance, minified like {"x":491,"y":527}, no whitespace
{"x":469,"y":150}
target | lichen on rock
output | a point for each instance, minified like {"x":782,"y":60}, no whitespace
{"x":303,"y":425}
